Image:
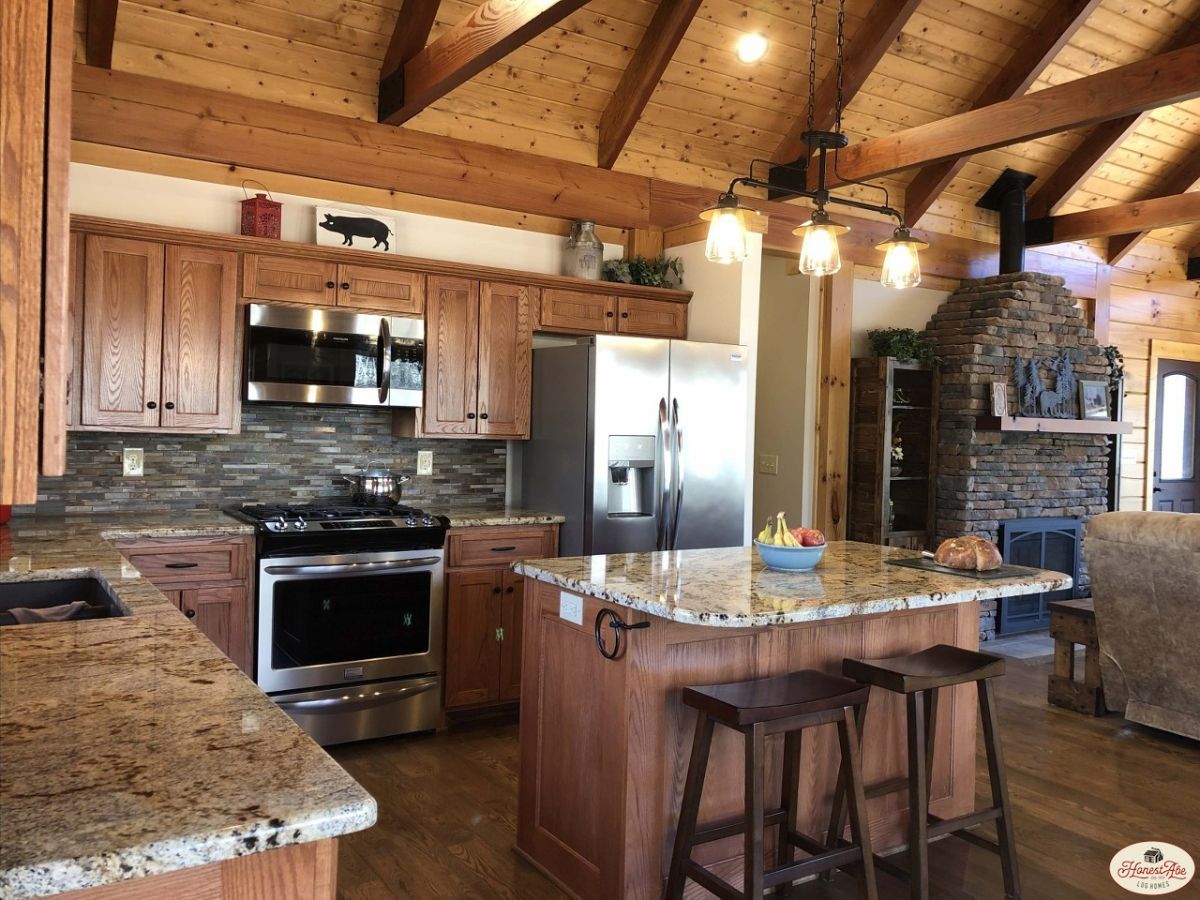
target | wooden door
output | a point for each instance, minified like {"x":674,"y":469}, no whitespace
{"x":200,"y":359}
{"x":505,"y":359}
{"x":75,"y":313}
{"x":223,"y":615}
{"x":122,"y":332}
{"x":387,"y":290}
{"x":577,"y":312}
{"x":1176,"y":485}
{"x":292,"y":279}
{"x":511,"y":629}
{"x":473,"y":636}
{"x":652,"y":318}
{"x":451,"y":355}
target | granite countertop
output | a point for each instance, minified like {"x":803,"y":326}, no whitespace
{"x":132,"y":746}
{"x":479,"y":517}
{"x":132,"y":525}
{"x":731,"y":587}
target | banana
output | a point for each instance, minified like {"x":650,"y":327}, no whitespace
{"x":765,"y":536}
{"x":788,"y":539}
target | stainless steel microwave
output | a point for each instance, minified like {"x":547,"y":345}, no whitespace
{"x":333,"y":357}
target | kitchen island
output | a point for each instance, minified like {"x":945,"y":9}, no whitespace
{"x":605,"y":742}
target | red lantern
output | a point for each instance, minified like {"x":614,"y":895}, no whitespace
{"x":261,"y":216}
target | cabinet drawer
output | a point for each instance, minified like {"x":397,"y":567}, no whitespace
{"x":498,"y":546}
{"x":173,"y":562}
{"x":578,"y":312}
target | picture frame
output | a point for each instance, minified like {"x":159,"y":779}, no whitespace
{"x":355,"y":229}
{"x":999,"y":399}
{"x":1093,"y":400}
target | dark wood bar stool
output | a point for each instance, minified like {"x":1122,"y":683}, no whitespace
{"x":919,"y":676}
{"x":786,"y":705}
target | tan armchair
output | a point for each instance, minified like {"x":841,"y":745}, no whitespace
{"x":1145,"y":573}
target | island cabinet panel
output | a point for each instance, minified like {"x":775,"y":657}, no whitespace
{"x":451,"y":356}
{"x":651,"y":318}
{"x":589,"y":721}
{"x":576,"y":312}
{"x":505,"y":358}
{"x":291,"y":279}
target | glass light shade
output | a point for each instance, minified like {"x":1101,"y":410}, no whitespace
{"x":726,"y":232}
{"x":819,"y":252}
{"x":901,"y":262}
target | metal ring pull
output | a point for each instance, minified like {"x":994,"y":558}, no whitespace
{"x":615,"y":623}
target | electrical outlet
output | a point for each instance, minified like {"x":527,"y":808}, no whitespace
{"x":768,"y":464}
{"x":570,"y":607}
{"x":424,"y":462}
{"x":133,"y":462}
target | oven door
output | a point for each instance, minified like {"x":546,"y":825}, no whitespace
{"x":333,"y":357}
{"x":347,"y":618}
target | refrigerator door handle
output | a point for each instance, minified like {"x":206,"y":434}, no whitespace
{"x":677,"y":428}
{"x":664,"y":477}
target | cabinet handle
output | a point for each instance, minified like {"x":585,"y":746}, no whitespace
{"x":470,"y":415}
{"x":609,"y":314}
{"x":168,"y":405}
{"x":624,"y":315}
{"x":502,"y":549}
{"x":190,"y":613}
{"x":495,"y":590}
{"x":483,"y":415}
{"x":150,"y":404}
{"x":181,"y":565}
{"x":345,"y":285}
{"x":509,"y":589}
{"x":499,"y":634}
{"x":330,"y":285}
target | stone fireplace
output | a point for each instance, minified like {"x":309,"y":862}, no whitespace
{"x":985,"y":476}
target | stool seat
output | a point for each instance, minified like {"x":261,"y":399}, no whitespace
{"x":938,"y":666}
{"x":767,"y":699}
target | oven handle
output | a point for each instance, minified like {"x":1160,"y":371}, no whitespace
{"x":327,"y":702}
{"x":338,"y":568}
{"x":385,"y":360}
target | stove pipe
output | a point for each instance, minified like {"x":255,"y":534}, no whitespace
{"x":1007,"y":196}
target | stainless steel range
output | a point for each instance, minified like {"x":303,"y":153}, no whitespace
{"x":350,"y":616}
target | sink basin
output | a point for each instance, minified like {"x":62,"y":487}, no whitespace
{"x":45,"y":595}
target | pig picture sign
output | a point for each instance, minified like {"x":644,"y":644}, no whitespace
{"x":362,"y":231}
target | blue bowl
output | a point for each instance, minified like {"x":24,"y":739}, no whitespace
{"x":790,"y":559}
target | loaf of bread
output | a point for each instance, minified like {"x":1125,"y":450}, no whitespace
{"x":968,"y":552}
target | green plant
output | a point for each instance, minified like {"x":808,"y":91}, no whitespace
{"x":662,"y":272}
{"x":1116,"y":362}
{"x":903,"y":343}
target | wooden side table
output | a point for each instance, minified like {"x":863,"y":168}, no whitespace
{"x":1074,"y":622}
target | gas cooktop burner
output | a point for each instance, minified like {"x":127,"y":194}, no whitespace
{"x":301,"y":517}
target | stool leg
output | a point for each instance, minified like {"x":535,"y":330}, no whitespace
{"x":918,"y":800}
{"x":837,"y":813}
{"x":860,"y":826}
{"x":689,"y":806}
{"x":752,"y":883}
{"x":785,"y":852}
{"x":931,"y":701}
{"x":1004,"y":825}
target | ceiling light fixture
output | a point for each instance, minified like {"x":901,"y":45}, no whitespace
{"x":751,"y":47}
{"x":819,"y":251}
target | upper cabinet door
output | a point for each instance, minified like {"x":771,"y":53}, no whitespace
{"x":451,"y":355}
{"x":291,"y":279}
{"x":386,"y":290}
{"x":576,"y":312}
{"x":505,"y":358}
{"x":652,"y":318}
{"x":199,"y":366}
{"x":122,"y":332}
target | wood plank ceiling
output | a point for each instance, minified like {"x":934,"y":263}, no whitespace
{"x":710,"y":114}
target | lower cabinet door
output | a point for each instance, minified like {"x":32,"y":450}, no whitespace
{"x":473,"y":636}
{"x":511,"y":605}
{"x":222,"y":614}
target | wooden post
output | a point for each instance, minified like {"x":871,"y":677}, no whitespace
{"x":833,"y":403}
{"x":1102,"y":305}
{"x":647,"y":242}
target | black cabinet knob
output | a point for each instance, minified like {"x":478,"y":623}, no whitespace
{"x":330,"y":285}
{"x":483,"y":415}
{"x":470,"y":415}
{"x":190,"y":613}
{"x":624,"y":315}
{"x":345,"y":285}
{"x":168,"y":405}
{"x":495,"y":590}
{"x":509,"y":589}
{"x":151,"y":405}
{"x":609,"y":314}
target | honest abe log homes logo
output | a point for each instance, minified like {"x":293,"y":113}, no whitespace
{"x":1152,"y":867}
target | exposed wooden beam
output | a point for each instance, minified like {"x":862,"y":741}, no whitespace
{"x":1027,"y":62}
{"x":1052,"y":192}
{"x":493,"y":30}
{"x":641,"y":76}
{"x":151,"y":115}
{"x":1142,"y":215}
{"x":410,"y":35}
{"x":1185,"y":177}
{"x":1158,"y":81}
{"x":100,"y":31}
{"x":868,"y":45}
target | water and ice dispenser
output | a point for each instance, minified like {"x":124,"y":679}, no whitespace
{"x":630,"y":475}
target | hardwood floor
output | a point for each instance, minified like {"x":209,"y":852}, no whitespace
{"x":1082,"y":787}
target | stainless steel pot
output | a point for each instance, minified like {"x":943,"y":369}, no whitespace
{"x":374,"y":485}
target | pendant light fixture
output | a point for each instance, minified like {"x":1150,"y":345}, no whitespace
{"x":819,"y":250}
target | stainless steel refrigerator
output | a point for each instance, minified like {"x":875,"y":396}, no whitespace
{"x":640,"y":443}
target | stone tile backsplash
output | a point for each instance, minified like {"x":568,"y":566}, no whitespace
{"x":283,"y":453}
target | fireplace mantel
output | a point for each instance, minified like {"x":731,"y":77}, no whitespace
{"x":1051,"y":426}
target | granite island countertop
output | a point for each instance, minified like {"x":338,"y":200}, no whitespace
{"x":132,"y":746}
{"x":731,"y":587}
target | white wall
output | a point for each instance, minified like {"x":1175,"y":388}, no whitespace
{"x":876,"y":306}
{"x":179,"y":202}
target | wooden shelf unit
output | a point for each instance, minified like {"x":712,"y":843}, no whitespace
{"x":1051,"y":426}
{"x":875,"y":419}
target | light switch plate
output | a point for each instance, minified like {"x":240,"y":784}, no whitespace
{"x":570,"y":607}
{"x":424,"y":462}
{"x":768,"y":464}
{"x":133,"y":462}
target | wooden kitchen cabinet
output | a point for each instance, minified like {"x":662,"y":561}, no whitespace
{"x":484,"y":608}
{"x":320,"y":282}
{"x":210,"y":580}
{"x":159,"y":337}
{"x":651,"y":318}
{"x":478,"y":358}
{"x":577,"y":312}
